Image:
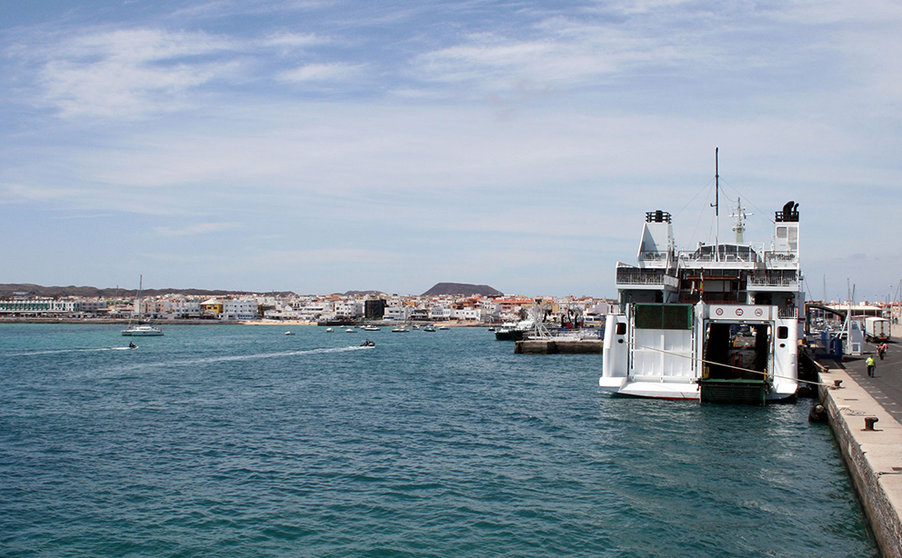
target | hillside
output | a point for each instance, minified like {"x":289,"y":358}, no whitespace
{"x":465,"y":289}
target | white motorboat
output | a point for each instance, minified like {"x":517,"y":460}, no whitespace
{"x":718,"y":323}
{"x":142,"y":330}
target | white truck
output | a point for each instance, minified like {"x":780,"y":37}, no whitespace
{"x":876,"y":330}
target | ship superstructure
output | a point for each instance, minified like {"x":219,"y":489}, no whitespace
{"x":717,"y":322}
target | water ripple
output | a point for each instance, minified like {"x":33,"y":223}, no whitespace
{"x":239,"y":441}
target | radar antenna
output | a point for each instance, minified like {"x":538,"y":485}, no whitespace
{"x":741,"y":216}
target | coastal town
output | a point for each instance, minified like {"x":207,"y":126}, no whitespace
{"x":462,"y":310}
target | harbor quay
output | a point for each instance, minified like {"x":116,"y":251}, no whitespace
{"x":865,"y":415}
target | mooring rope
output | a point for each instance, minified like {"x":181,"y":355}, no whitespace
{"x":710,"y":362}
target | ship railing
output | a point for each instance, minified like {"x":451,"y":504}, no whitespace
{"x":780,"y":257}
{"x":750,"y":257}
{"x":640,"y":277}
{"x":788,"y":312}
{"x":776,"y":278}
{"x":653,"y":256}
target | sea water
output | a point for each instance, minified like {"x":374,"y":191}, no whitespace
{"x":243,"y":441}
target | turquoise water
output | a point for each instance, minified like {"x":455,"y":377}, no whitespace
{"x":242,"y":441}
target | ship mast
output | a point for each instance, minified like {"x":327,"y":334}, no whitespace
{"x":716,"y":206}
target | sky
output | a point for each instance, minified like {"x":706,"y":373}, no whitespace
{"x":325,"y":146}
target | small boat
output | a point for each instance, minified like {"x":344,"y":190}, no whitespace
{"x":515,"y":331}
{"x":368,"y":343}
{"x":370,"y":328}
{"x":350,"y":330}
{"x":328,"y":330}
{"x":443,"y":327}
{"x":400,"y":329}
{"x":430,"y":327}
{"x":289,"y":333}
{"x":142,"y":330}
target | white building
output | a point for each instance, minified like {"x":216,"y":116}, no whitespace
{"x":440,"y":313}
{"x":180,"y":307}
{"x":396,"y":313}
{"x":239,"y":309}
{"x":314,"y":310}
{"x":351,"y":308}
{"x":39,"y":307}
{"x":467,"y":314}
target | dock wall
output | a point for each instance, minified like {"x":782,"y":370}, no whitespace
{"x":873,"y":457}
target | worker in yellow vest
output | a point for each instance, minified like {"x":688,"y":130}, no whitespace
{"x":871,"y":365}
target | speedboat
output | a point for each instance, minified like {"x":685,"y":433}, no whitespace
{"x":289,"y":333}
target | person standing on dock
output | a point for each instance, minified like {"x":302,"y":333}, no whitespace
{"x":871,"y":365}
{"x":881,"y":350}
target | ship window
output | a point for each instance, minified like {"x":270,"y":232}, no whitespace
{"x":663,"y":316}
{"x":621,"y":328}
{"x":782,"y":332}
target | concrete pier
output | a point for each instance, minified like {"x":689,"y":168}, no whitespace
{"x":870,"y":439}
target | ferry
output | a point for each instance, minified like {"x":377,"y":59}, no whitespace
{"x":718,"y":323}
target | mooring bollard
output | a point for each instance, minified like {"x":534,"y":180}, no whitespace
{"x":869,"y":422}
{"x":837,"y":383}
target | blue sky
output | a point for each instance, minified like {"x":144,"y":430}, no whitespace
{"x":323,"y":146}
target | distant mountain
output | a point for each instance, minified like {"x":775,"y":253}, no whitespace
{"x":461,"y":289}
{"x":9,"y":289}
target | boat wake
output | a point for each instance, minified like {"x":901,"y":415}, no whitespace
{"x":64,"y":351}
{"x":256,"y":356}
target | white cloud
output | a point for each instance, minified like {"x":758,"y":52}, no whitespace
{"x":292,"y":40}
{"x":321,"y":73}
{"x":127,"y":73}
{"x":196,"y":229}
